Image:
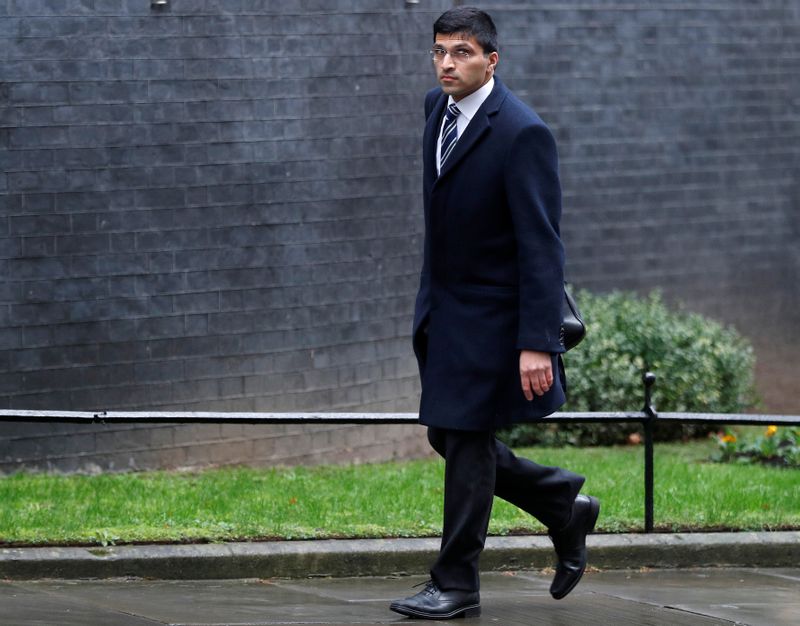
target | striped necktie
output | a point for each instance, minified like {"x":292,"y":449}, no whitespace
{"x":449,"y":133}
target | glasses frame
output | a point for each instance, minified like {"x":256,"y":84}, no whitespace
{"x":438,"y":54}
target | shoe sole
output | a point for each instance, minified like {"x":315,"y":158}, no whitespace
{"x":467,"y":611}
{"x":594,"y":514}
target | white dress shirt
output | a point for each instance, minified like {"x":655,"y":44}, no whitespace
{"x":467,"y":107}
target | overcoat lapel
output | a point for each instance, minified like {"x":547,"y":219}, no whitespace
{"x":478,"y":126}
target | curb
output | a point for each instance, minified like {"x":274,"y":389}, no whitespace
{"x":392,"y":557}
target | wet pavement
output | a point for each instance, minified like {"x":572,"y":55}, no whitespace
{"x":765,"y":596}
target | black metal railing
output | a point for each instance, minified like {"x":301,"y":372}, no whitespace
{"x":647,"y":417}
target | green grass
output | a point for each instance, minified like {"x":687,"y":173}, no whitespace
{"x":383,"y":500}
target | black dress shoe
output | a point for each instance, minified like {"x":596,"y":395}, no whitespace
{"x":570,"y":545}
{"x":433,"y":603}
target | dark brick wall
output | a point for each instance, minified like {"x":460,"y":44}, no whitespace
{"x":213,"y":207}
{"x":91,"y":448}
{"x":210,"y":206}
{"x":216,"y":206}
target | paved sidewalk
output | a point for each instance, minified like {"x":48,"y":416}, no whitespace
{"x":619,"y":597}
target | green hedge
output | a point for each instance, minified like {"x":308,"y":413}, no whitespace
{"x":700,"y":366}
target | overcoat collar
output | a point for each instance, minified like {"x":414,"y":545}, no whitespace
{"x":478,"y":126}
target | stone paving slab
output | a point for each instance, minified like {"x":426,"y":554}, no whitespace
{"x":37,"y":607}
{"x":679,"y":597}
{"x":756,"y":597}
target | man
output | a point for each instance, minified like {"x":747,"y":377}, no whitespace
{"x":488,"y":314}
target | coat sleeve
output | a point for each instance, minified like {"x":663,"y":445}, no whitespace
{"x":534,"y":196}
{"x":422,"y":304}
{"x":430,"y":99}
{"x":424,"y":290}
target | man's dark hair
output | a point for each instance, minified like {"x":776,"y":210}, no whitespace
{"x":468,"y":21}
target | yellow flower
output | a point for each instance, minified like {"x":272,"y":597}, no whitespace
{"x":771,"y":430}
{"x":729,"y":439}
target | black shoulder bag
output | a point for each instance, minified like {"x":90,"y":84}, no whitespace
{"x":573,"y":329}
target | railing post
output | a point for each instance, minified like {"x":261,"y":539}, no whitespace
{"x":649,"y":423}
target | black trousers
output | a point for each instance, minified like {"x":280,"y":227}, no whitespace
{"x":477,"y":468}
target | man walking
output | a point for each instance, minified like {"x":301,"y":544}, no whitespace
{"x":487,"y":319}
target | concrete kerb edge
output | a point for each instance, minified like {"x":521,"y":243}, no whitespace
{"x":392,"y":557}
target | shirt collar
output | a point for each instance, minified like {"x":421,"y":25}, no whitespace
{"x":469,"y":105}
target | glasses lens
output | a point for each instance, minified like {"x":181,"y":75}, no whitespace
{"x":458,"y":56}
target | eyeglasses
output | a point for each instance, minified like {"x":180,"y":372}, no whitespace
{"x":459,"y":56}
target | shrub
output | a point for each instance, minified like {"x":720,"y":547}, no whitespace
{"x":700,"y":366}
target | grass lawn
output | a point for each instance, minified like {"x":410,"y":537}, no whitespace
{"x":388,"y":499}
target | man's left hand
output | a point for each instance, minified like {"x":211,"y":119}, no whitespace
{"x":536,"y":373}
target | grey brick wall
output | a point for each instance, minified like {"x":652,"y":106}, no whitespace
{"x":90,"y":448}
{"x":211,"y":207}
{"x":216,"y":206}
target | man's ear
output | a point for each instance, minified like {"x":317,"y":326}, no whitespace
{"x":493,"y":59}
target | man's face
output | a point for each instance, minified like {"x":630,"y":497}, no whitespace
{"x":460,"y":76}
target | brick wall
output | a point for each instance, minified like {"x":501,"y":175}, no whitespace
{"x":92,"y":447}
{"x":216,"y":205}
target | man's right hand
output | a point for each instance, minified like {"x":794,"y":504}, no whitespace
{"x":535,"y":372}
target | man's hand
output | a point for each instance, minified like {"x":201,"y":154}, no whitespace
{"x":535,"y":372}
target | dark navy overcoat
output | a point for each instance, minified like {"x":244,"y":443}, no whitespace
{"x":492,"y":276}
